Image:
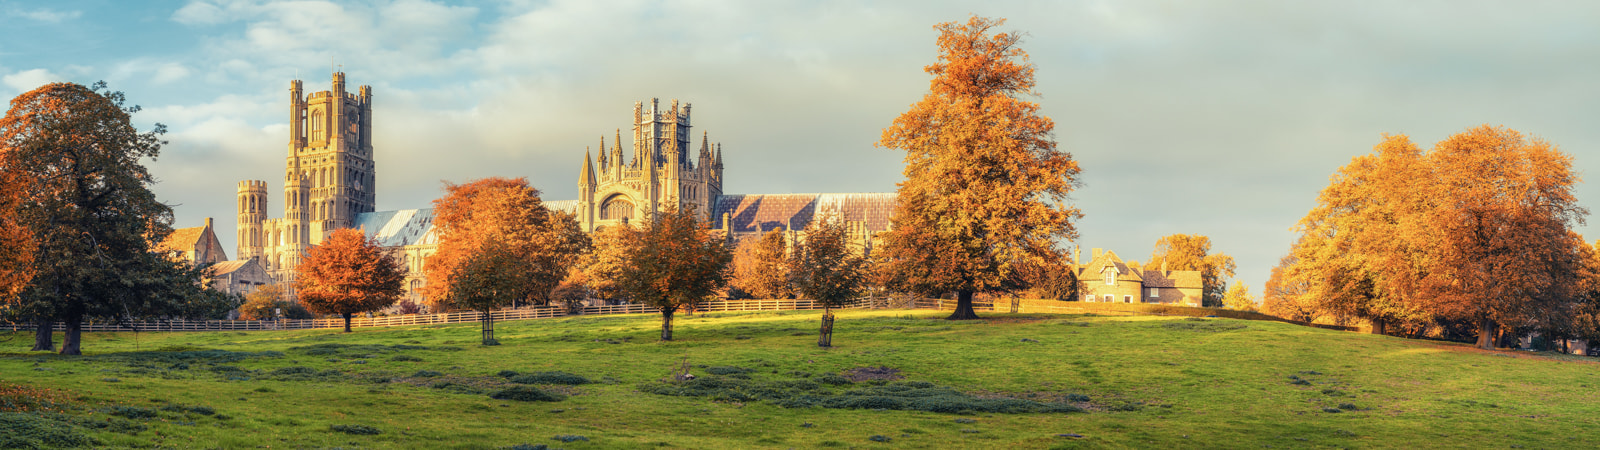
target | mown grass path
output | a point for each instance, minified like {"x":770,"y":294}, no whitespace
{"x":1149,"y":382}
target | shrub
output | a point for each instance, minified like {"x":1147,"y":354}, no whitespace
{"x":26,"y":430}
{"x":527,"y":394}
{"x":405,"y":358}
{"x":132,"y":412}
{"x":355,"y":429}
{"x":550,"y":378}
{"x":507,"y":373}
{"x":426,"y":374}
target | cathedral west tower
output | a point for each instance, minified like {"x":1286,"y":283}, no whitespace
{"x":328,"y":178}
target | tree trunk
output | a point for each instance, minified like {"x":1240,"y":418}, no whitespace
{"x":1378,"y":327}
{"x":73,"y":334}
{"x":825,"y":335}
{"x":488,"y":329}
{"x":346,"y":322}
{"x":44,"y":336}
{"x":963,"y":307}
{"x":666,"y":325}
{"x":1486,"y":334}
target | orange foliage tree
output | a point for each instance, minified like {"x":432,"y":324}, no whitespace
{"x":675,"y":262}
{"x":539,"y":247}
{"x":986,"y":189}
{"x":1477,"y":230}
{"x":602,"y":266}
{"x":759,"y":268}
{"x":348,"y":274}
{"x":88,"y":214}
{"x":824,"y":269}
{"x":1503,"y":252}
{"x":1285,"y":297}
{"x":1193,"y":252}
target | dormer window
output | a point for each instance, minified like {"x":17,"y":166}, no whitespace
{"x":1111,"y":278}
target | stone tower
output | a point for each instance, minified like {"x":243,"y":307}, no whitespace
{"x":330,"y":167}
{"x":252,"y":217}
{"x":662,"y":173}
{"x":328,"y":178}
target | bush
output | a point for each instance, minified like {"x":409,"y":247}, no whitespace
{"x":355,"y":429}
{"x":550,"y":378}
{"x":407,"y":358}
{"x":132,"y":412}
{"x":507,"y":373}
{"x":426,"y":374}
{"x":527,"y":394}
{"x":25,"y":430}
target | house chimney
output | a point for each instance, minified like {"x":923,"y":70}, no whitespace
{"x":1096,"y":253}
{"x":1163,"y":266}
{"x":1075,"y":251}
{"x":208,"y":222}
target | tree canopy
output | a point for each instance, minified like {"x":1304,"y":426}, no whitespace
{"x":1193,"y":252}
{"x":986,"y":188}
{"x":75,"y":184}
{"x":348,"y":274}
{"x":674,"y":262}
{"x":1477,"y":230}
{"x":499,"y":224}
{"x":760,"y":267}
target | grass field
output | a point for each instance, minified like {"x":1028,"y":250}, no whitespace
{"x":1141,"y":381}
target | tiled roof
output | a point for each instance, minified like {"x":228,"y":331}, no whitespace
{"x":227,"y":267}
{"x":398,"y":228}
{"x":182,"y":240}
{"x":750,"y":213}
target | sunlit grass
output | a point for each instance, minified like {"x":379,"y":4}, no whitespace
{"x":1151,"y":381}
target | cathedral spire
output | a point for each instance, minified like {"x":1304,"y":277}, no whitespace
{"x":586,"y":179}
{"x":603,"y":163}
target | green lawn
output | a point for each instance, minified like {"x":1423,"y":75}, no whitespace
{"x":1149,"y":381}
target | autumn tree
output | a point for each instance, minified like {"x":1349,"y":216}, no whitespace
{"x":268,"y":302}
{"x":1286,"y":297}
{"x":90,"y":217}
{"x":674,"y":263}
{"x":823,"y":268}
{"x":603,"y":265}
{"x":986,"y":188}
{"x":543,"y":246}
{"x":348,"y":274}
{"x":489,"y":279}
{"x":1193,"y":252}
{"x":1357,"y":256}
{"x":760,"y":266}
{"x":1239,"y":298}
{"x":1500,"y":247}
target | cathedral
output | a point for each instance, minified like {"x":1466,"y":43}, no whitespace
{"x":329,"y":177}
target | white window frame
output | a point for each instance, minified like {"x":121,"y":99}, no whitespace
{"x":1088,"y":298}
{"x":1111,"y":278}
{"x":1110,"y":298}
{"x":1127,"y":299}
{"x":1155,"y":292}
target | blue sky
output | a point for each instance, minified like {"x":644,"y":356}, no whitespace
{"x":1214,"y":118}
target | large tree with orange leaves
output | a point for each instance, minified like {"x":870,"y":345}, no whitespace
{"x":1501,"y":221}
{"x":89,"y":215}
{"x":348,"y":274}
{"x":499,"y":224}
{"x":1477,"y":230}
{"x":986,"y":189}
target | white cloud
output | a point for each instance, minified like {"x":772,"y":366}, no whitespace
{"x":47,"y":15}
{"x":27,"y":80}
{"x":200,"y":13}
{"x":170,"y":72}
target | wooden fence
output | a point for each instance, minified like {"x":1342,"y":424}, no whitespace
{"x":444,"y":318}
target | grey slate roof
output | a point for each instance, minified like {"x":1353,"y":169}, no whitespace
{"x":398,"y":228}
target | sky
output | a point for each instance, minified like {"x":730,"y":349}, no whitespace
{"x":1218,"y":118}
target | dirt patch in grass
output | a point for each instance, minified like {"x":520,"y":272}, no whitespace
{"x":861,"y":374}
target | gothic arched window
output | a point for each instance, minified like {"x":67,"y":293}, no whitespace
{"x":616,"y":207}
{"x":316,"y":126}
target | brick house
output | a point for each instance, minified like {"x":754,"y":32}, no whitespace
{"x":1107,"y":279}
